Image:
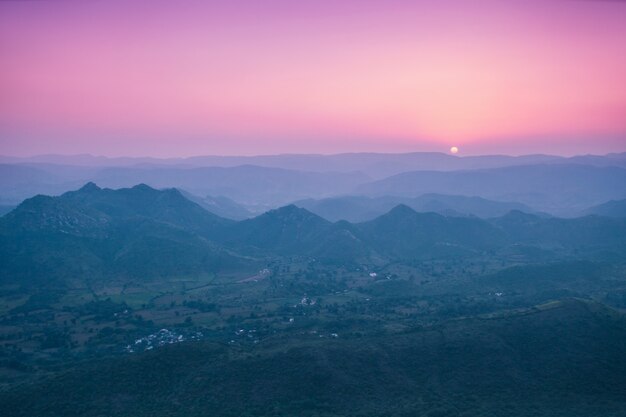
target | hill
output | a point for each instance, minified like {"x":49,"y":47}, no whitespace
{"x":110,"y":230}
{"x":220,"y":206}
{"x":95,"y":234}
{"x":579,"y":233}
{"x":287,"y":230}
{"x":138,"y":301}
{"x":246,"y":184}
{"x":555,"y":188}
{"x":407,"y":234}
{"x":360,"y":208}
{"x":377,"y":165}
{"x":613,"y":208}
{"x":4,"y":209}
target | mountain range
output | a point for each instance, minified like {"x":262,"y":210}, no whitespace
{"x":376,"y":165}
{"x":356,"y":208}
{"x":103,"y":232}
{"x":141,"y":301}
{"x":559,"y":189}
{"x":536,"y":183}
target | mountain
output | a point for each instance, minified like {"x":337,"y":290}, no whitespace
{"x":466,"y":206}
{"x":91,"y":206}
{"x":557,"y":359}
{"x":343,"y":244}
{"x":361,"y":208}
{"x":350,"y":208}
{"x":247,"y":184}
{"x":611,"y":159}
{"x":138,"y":301}
{"x":405,"y":233}
{"x":13,"y":175}
{"x":401,"y":232}
{"x":555,"y":188}
{"x":376,"y":165}
{"x":579,"y":233}
{"x":287,"y":230}
{"x":293,"y":231}
{"x":94,"y":234}
{"x":4,"y":209}
{"x":110,"y":229}
{"x":18,"y":182}
{"x":220,"y":206}
{"x":613,"y":208}
{"x":263,"y":182}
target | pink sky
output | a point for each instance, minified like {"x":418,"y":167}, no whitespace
{"x":181,"y":78}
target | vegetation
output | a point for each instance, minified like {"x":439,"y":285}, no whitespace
{"x":139,"y":302}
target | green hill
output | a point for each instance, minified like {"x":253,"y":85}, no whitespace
{"x":94,"y":234}
{"x":407,"y":234}
{"x":289,"y":230}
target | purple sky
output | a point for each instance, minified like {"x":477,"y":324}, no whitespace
{"x":170,"y":78}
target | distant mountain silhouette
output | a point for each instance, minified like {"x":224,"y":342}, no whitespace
{"x":554,"y":188}
{"x":247,"y":184}
{"x":613,"y":208}
{"x":361,"y":208}
{"x":556,"y":185}
{"x":377,"y":165}
{"x":220,"y":206}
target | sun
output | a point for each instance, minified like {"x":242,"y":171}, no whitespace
{"x":454,"y":150}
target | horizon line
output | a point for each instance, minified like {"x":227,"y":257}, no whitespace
{"x":313,"y":154}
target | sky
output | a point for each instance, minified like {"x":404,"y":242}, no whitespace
{"x":183,"y":78}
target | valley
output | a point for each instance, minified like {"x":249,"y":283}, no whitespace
{"x":186,"y":280}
